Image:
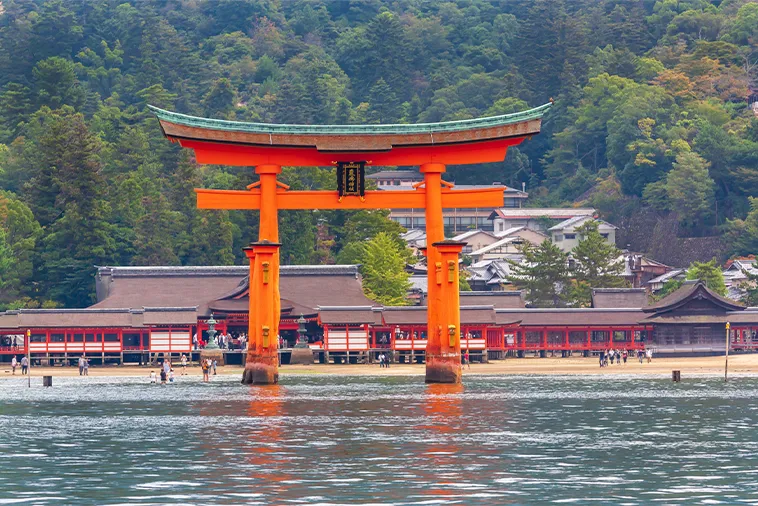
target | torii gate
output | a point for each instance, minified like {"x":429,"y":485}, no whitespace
{"x":432,"y":146}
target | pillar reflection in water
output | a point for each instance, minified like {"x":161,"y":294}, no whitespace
{"x":443,"y":408}
{"x":264,"y":452}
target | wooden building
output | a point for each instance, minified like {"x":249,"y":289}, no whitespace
{"x":144,"y":312}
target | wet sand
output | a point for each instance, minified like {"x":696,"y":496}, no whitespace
{"x":738,"y":364}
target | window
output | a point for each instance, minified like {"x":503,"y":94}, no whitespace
{"x":570,"y":236}
{"x":76,"y":338}
{"x":111,"y":338}
{"x":557,"y":237}
{"x":605,"y":236}
{"x":501,"y":227}
{"x":57,"y":338}
{"x":38,"y":338}
{"x":467,"y":249}
{"x":92,"y":338}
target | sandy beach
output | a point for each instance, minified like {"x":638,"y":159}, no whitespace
{"x":738,"y":364}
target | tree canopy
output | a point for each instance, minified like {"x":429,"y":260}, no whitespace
{"x":651,"y":103}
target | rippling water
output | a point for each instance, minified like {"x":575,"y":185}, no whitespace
{"x":379,"y":440}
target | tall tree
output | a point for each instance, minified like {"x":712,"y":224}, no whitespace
{"x":690,"y":189}
{"x":597,"y":264}
{"x":709,"y":273}
{"x":543,"y":273}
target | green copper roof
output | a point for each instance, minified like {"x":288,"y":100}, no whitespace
{"x":447,"y":126}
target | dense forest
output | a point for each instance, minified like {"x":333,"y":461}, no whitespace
{"x":651,"y":116}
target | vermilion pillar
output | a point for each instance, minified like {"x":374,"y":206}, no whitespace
{"x":444,"y":364}
{"x":262,"y":365}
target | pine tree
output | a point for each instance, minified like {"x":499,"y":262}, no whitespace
{"x":543,"y":273}
{"x":596,"y":264}
{"x":709,"y":273}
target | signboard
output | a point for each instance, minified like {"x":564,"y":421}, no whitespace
{"x":350,"y":179}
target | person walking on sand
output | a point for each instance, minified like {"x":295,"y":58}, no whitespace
{"x":602,"y":357}
{"x":649,"y":355}
{"x":625,"y":355}
{"x":204,"y":366}
{"x":24,"y":365}
{"x":81,"y":365}
{"x":86,"y":367}
{"x":14,"y":363}
{"x":184,"y":364}
{"x":214,"y":366}
{"x":466,"y":359}
{"x":153,"y":378}
{"x":171,"y":376}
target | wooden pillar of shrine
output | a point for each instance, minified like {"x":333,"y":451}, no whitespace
{"x":262,"y":364}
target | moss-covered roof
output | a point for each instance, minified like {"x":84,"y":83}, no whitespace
{"x":271,"y":128}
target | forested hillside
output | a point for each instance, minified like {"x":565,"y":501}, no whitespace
{"x":651,"y":116}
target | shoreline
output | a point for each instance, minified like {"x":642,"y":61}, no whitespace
{"x":708,"y":366}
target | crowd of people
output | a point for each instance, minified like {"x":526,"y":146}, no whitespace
{"x":224,"y":340}
{"x":618,"y":356}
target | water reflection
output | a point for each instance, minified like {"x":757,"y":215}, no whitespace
{"x":443,"y":406}
{"x":326,"y":440}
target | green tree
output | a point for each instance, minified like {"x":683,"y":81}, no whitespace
{"x":690,"y":189}
{"x":596,"y":264}
{"x":20,"y":234}
{"x":543,"y":273}
{"x":743,"y":234}
{"x":56,"y":84}
{"x":219,"y":101}
{"x":383,"y":269}
{"x":709,"y":273}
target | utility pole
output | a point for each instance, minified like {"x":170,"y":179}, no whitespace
{"x":28,"y":358}
{"x":726,"y":356}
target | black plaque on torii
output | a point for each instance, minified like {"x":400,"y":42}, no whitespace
{"x":351,"y":179}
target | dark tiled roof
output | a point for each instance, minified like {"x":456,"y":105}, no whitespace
{"x":619,"y":297}
{"x":496,"y":299}
{"x":224,"y":288}
{"x":346,"y":315}
{"x":537,"y":317}
{"x":416,"y":315}
{"x":97,"y":318}
{"x":396,"y":174}
{"x":689,"y":291}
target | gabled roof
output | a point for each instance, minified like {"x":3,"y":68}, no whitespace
{"x":555,"y":213}
{"x":509,"y":231}
{"x":692,"y":290}
{"x":494,"y":245}
{"x":470,"y":233}
{"x":619,"y":298}
{"x":576,"y":221}
{"x":665,"y":277}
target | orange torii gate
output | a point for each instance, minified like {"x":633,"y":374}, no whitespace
{"x":431,"y":146}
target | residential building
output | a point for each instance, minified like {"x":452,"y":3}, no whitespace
{"x":639,"y":269}
{"x":509,"y":244}
{"x":475,"y":239}
{"x":657,"y":283}
{"x":538,"y":219}
{"x":566,"y":237}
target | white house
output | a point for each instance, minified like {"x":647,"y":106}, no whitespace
{"x":534,"y":218}
{"x":565,"y":236}
{"x":508,"y":244}
{"x":475,"y":239}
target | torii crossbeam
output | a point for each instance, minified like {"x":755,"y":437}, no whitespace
{"x":432,"y":146}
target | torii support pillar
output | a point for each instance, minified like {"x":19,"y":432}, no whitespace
{"x":262,"y":365}
{"x":443,"y":365}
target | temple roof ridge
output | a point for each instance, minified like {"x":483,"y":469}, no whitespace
{"x":394,"y":128}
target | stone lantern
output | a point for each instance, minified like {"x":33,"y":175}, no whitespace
{"x":301,"y":353}
{"x":211,"y":350}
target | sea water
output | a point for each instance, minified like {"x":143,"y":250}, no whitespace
{"x":380,"y":440}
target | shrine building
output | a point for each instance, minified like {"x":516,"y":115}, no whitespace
{"x":145,"y":313}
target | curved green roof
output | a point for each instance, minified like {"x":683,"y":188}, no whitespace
{"x":271,"y":128}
